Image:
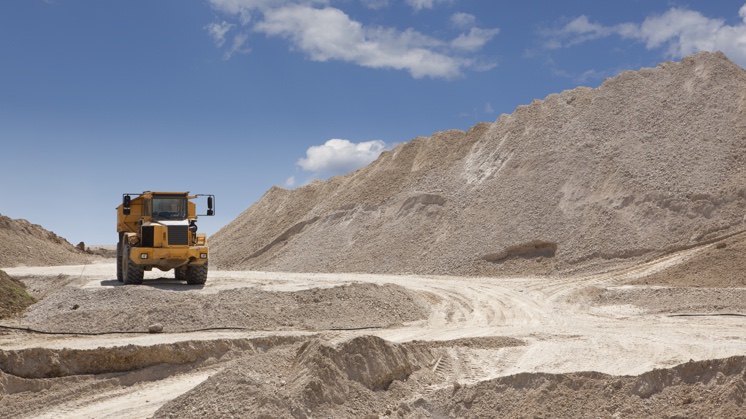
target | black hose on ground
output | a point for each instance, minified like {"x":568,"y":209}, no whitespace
{"x":119,"y":332}
{"x":707,"y":315}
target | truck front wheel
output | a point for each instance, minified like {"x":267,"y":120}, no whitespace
{"x":132,"y":273}
{"x":196,"y":274}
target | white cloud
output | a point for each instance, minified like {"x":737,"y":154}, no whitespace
{"x":238,"y":46}
{"x":426,"y":4}
{"x":463,"y":20}
{"x":579,"y":30}
{"x":678,"y":31}
{"x":420,"y":4}
{"x":474,"y":40}
{"x":375,"y":4}
{"x":682,"y":32}
{"x":327,"y":33}
{"x":246,"y":9}
{"x":218,"y":31}
{"x":240,"y":8}
{"x":290,"y":182}
{"x":337,"y":156}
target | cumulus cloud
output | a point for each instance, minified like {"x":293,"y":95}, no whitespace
{"x":375,"y":4}
{"x":463,"y":20}
{"x":420,"y":4}
{"x":426,"y":4}
{"x":338,"y":156}
{"x":327,"y":33}
{"x":245,"y":9}
{"x":238,"y":46}
{"x":218,"y":31}
{"x":678,"y":32}
{"x":474,"y":40}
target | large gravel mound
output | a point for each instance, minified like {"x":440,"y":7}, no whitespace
{"x":23,"y":243}
{"x":651,"y":161}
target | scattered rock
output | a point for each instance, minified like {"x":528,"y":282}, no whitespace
{"x":155,"y":328}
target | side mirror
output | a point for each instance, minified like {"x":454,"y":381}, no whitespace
{"x":210,"y":203}
{"x":126,"y":204}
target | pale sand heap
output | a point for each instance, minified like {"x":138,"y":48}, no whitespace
{"x":651,"y":161}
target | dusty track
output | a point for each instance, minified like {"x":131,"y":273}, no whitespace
{"x":563,"y":324}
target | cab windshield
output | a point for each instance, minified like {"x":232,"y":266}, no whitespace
{"x":169,"y":207}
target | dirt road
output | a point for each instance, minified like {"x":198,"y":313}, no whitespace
{"x":563,"y":324}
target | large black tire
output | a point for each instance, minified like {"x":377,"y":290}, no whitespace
{"x":196,"y":274}
{"x":119,"y":261}
{"x":132,"y":273}
{"x":180,"y":273}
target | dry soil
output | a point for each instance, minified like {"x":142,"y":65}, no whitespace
{"x":634,"y":341}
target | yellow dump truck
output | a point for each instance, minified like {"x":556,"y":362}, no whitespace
{"x":159,"y":230}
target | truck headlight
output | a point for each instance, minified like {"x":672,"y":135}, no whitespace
{"x":203,"y":255}
{"x":143,"y":255}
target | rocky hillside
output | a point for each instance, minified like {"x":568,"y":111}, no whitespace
{"x":648,"y":162}
{"x":23,"y":243}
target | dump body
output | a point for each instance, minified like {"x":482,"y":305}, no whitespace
{"x":159,"y":230}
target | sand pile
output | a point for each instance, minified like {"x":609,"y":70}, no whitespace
{"x":23,"y":243}
{"x":650,"y":161}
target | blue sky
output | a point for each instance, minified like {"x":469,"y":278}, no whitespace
{"x":232,"y":97}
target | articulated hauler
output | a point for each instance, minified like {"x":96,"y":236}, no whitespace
{"x":159,"y":230}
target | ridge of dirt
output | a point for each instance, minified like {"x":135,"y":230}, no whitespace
{"x":721,"y":265}
{"x":646,"y":163}
{"x":712,"y":388}
{"x":51,"y":363}
{"x":24,"y":243}
{"x":73,"y":309}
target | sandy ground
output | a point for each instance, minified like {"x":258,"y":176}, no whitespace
{"x":542,"y":325}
